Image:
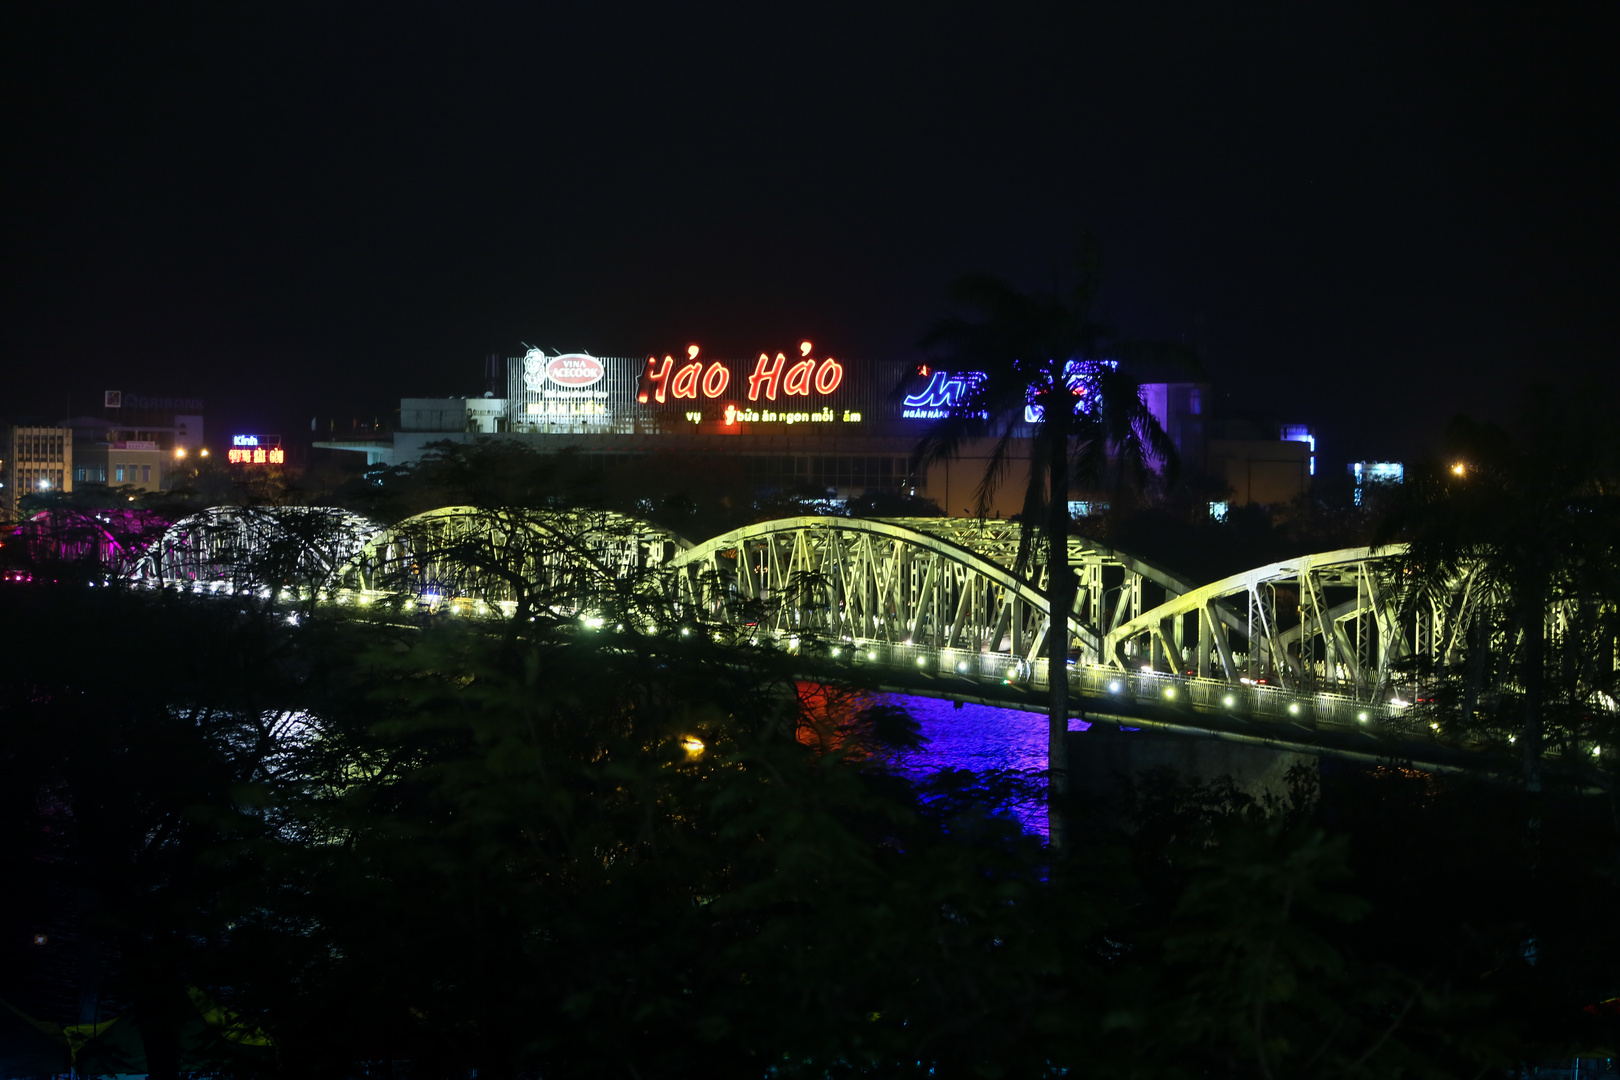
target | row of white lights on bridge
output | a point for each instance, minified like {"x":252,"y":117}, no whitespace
{"x":1115,"y":686}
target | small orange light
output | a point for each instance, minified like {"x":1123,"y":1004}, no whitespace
{"x":804,"y":348}
{"x":1460,"y":469}
{"x":691,"y":352}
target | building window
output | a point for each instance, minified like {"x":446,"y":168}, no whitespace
{"x":118,"y":473}
{"x":146,"y":474}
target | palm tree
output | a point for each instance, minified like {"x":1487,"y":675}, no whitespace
{"x":1050,"y":384}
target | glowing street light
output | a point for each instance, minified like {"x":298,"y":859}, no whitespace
{"x":1459,"y":469}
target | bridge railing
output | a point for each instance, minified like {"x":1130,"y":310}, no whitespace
{"x":1093,"y":683}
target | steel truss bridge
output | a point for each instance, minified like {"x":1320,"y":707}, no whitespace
{"x":935,"y":605}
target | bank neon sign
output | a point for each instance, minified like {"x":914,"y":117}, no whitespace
{"x":948,"y":392}
{"x":945,"y":392}
{"x":663,"y":380}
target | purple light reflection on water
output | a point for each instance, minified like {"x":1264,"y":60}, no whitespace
{"x":979,"y":738}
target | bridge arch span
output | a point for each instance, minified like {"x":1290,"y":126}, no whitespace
{"x":877,"y":579}
{"x":951,"y":583}
{"x":256,"y":547}
{"x":516,"y":559}
{"x":1333,"y":621}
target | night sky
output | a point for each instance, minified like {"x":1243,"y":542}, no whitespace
{"x":1369,"y":216}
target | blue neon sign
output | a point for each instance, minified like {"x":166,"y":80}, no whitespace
{"x":945,"y":391}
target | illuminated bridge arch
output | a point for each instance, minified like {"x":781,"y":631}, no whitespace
{"x":1332,"y":622}
{"x":114,"y":540}
{"x":256,"y":547}
{"x":518,"y":560}
{"x":945,"y":583}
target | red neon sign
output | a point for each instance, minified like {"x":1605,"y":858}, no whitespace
{"x":659,"y":377}
{"x":663,"y":380}
{"x":829,"y":376}
{"x":715,"y":380}
{"x":765,"y":377}
{"x":825,"y":377}
{"x":259,"y":456}
{"x":686,"y":381}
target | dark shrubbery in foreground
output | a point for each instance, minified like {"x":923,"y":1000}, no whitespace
{"x":419,"y":851}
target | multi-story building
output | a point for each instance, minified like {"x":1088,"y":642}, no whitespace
{"x":802,"y":421}
{"x":135,"y":443}
{"x":36,"y":459}
{"x":141,"y":463}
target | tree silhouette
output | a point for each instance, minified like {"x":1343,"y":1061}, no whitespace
{"x":1518,"y":533}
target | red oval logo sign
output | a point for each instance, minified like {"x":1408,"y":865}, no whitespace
{"x":574,"y":369}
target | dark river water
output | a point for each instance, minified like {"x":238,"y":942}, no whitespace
{"x":980,"y":738}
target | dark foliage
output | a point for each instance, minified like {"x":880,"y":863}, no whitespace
{"x":423,"y":851}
